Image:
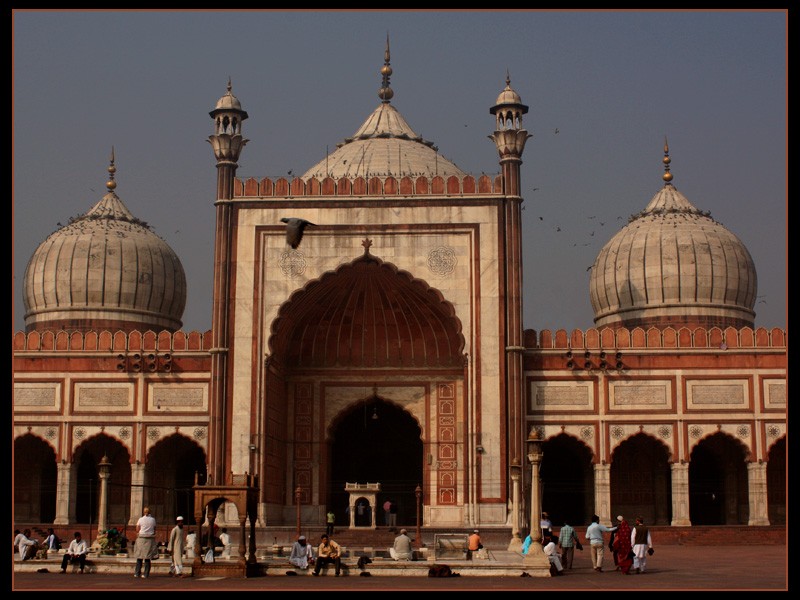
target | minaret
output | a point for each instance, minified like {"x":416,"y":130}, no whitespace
{"x":227,"y":142}
{"x":510,"y":138}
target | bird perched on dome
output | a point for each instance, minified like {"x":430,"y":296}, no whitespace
{"x":294,"y":230}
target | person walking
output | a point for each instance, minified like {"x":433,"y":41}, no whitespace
{"x":622,"y":546}
{"x":75,"y":553}
{"x":175,"y":546}
{"x":328,"y":552}
{"x":145,"y":549}
{"x":330,"y":521}
{"x":387,"y":512}
{"x":642,"y":544}
{"x":568,"y":541}
{"x":594,"y":534}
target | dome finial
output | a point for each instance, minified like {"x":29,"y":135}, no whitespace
{"x":230,"y":86}
{"x":508,"y":79}
{"x":386,"y":93}
{"x":667,"y":176}
{"x":111,"y":184}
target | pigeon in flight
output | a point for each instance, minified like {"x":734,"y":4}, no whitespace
{"x":294,"y":230}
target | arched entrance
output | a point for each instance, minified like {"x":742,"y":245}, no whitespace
{"x":776,"y":483}
{"x":718,"y":482}
{"x":567,"y":480}
{"x":376,"y":442}
{"x":641,"y":480}
{"x":35,"y":479}
{"x":88,"y":456}
{"x":171,"y":467}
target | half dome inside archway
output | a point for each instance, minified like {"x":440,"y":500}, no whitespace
{"x":366,"y":314}
{"x":376,"y":442}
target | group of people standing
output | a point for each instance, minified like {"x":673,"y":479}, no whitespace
{"x":630,"y":546}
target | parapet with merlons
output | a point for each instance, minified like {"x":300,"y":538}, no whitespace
{"x":369,"y":186}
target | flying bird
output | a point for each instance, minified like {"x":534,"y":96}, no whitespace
{"x":556,"y":129}
{"x":294,"y":230}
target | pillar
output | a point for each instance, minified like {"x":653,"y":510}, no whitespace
{"x":680,"y":494}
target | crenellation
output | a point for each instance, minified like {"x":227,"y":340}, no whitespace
{"x":251,"y":187}
{"x":119,"y":341}
{"x":611,"y":338}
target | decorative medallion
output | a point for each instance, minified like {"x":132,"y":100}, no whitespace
{"x":50,"y":433}
{"x":153,"y":433}
{"x":124,"y":433}
{"x":587,"y":433}
{"x":617,"y":432}
{"x":199,"y":433}
{"x":743,"y":431}
{"x":80,"y":433}
{"x":442,"y":260}
{"x":664,"y":431}
{"x":695,"y":431}
{"x":293,"y":263}
{"x":773,"y":431}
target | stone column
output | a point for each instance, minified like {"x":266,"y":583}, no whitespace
{"x":757,"y":493}
{"x":602,"y":492}
{"x":515,"y":545}
{"x":535,"y":561}
{"x":104,"y":469}
{"x":680,"y":495}
{"x":137,"y":492}
{"x":65,"y":510}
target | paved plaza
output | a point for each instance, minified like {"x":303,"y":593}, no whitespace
{"x":672,"y":567}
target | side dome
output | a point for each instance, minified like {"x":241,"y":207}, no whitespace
{"x":104,"y":270}
{"x":673,"y":265}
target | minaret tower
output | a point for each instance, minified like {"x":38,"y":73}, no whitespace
{"x":510,"y":138}
{"x":227,"y":142}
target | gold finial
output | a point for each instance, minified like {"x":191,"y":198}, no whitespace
{"x":667,"y":176}
{"x":386,"y":93}
{"x":111,"y":184}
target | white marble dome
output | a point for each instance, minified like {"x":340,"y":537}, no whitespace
{"x":673,"y":264}
{"x":104,"y":270}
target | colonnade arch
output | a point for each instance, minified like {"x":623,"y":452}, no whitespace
{"x":35,"y":480}
{"x":567,"y":480}
{"x":641,"y":480}
{"x":718,"y":484}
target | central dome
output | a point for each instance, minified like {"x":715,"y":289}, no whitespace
{"x":385,"y":145}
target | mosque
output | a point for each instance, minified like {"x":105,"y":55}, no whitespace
{"x":386,"y":353}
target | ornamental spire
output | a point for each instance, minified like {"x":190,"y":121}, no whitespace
{"x":386,"y":93}
{"x":667,"y":176}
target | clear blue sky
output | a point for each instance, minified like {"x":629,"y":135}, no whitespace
{"x":613,"y":83}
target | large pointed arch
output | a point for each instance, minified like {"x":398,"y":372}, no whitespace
{"x":367,"y":313}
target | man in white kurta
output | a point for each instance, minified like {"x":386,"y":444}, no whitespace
{"x":642,"y":545}
{"x":175,"y":546}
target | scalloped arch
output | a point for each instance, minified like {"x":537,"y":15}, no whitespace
{"x":367,"y":313}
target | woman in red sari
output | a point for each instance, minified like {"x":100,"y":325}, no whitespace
{"x":622,"y":546}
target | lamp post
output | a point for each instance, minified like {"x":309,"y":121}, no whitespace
{"x":297,"y":493}
{"x":515,"y":545}
{"x":105,"y":472}
{"x":535,"y":560}
{"x":418,"y":494}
